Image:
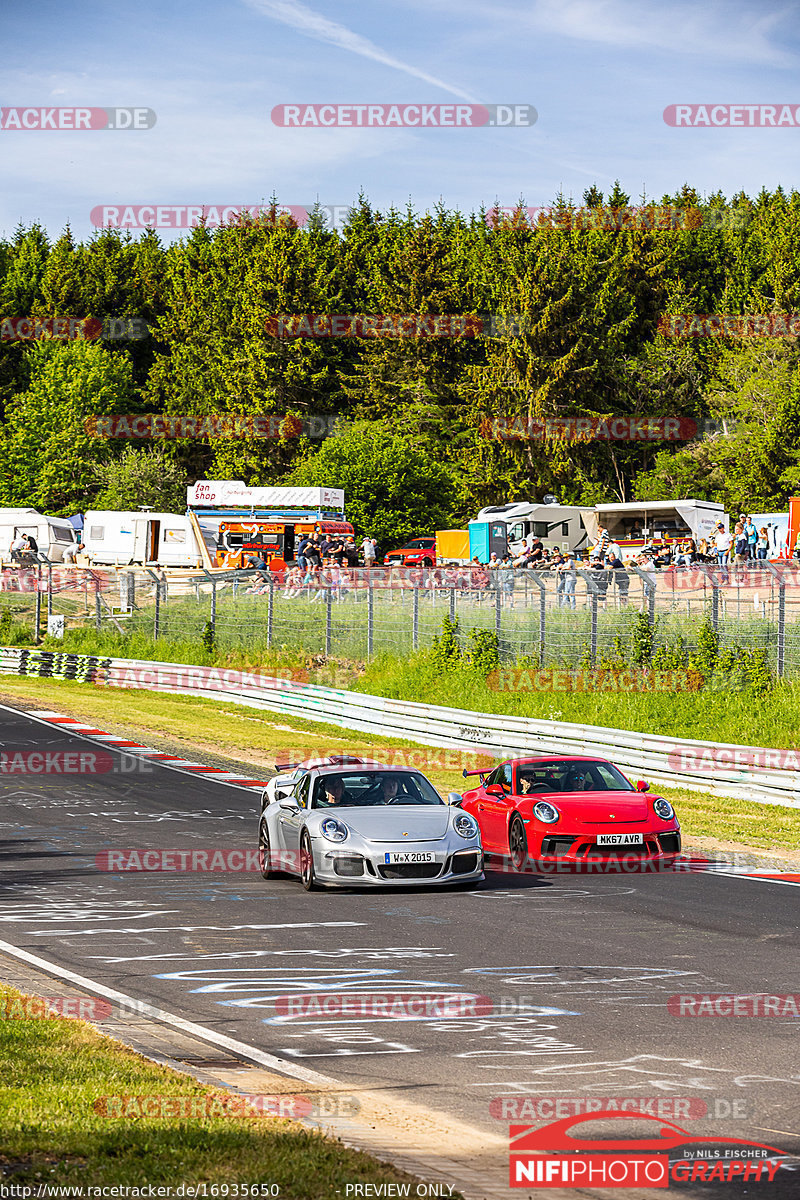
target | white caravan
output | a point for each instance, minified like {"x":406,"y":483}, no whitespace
{"x":52,"y":534}
{"x":120,"y":539}
{"x":558,"y":526}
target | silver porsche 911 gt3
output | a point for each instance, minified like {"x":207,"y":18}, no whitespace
{"x":364,"y":824}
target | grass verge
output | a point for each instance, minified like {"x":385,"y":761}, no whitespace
{"x":222,"y":733}
{"x":51,"y":1073}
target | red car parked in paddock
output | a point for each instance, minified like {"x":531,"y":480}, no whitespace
{"x":570,"y":810}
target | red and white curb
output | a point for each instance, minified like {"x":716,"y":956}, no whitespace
{"x":81,"y":729}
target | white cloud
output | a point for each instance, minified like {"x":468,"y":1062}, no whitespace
{"x":306,"y":21}
{"x":712,"y":31}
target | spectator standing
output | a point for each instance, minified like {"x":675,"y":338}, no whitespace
{"x":601,"y":577}
{"x":751,"y":533}
{"x":569,"y":573}
{"x":740,"y":543}
{"x":301,"y":552}
{"x":505,"y":577}
{"x":762,"y":543}
{"x":722,"y":548}
{"x":621,"y":578}
{"x":647,"y":567}
{"x":368,"y":551}
{"x":600,"y":547}
{"x":351,"y":553}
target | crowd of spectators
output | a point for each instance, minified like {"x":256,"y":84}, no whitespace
{"x":337,"y":564}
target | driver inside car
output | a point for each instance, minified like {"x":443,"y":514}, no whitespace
{"x":384,"y":792}
{"x":333,"y":793}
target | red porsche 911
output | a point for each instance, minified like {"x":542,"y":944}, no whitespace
{"x":578,"y":811}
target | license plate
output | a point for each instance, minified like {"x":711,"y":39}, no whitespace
{"x":409,"y":856}
{"x":620,"y":839}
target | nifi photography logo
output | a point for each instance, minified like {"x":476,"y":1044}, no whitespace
{"x":553,"y":1156}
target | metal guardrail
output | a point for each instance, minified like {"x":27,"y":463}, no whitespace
{"x":762,"y":775}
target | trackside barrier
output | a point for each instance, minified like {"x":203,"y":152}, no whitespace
{"x":763,"y":775}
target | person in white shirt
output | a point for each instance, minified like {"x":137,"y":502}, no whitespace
{"x":368,"y":550}
{"x":722,"y":549}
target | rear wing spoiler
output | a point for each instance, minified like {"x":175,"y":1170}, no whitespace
{"x":465,"y":774}
{"x":286,"y":766}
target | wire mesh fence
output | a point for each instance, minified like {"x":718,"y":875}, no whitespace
{"x":538,"y":617}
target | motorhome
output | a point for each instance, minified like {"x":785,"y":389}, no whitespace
{"x":655,"y":522}
{"x":52,"y":534}
{"x":148,"y":538}
{"x":558,"y":526}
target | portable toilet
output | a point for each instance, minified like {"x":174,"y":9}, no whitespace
{"x":487,"y":538}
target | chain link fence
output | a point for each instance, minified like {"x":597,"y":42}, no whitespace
{"x":537,"y":616}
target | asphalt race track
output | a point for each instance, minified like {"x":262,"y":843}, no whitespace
{"x":576,"y":971}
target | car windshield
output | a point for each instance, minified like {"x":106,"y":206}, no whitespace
{"x":570,"y":777}
{"x":373,"y":789}
{"x":419,"y":544}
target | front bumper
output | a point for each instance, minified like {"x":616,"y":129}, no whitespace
{"x":358,"y":866}
{"x":562,"y":850}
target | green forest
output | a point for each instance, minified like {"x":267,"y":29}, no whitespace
{"x":411,"y":421}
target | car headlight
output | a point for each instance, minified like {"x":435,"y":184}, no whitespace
{"x":546,"y":812}
{"x":464,"y":826}
{"x":663,"y":809}
{"x":333,"y":830}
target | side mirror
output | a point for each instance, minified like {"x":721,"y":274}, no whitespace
{"x":495,"y":789}
{"x":454,"y":798}
{"x":289,"y":803}
{"x":642,"y":786}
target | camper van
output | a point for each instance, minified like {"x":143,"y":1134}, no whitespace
{"x":52,"y":534}
{"x":558,"y":526}
{"x":148,"y":538}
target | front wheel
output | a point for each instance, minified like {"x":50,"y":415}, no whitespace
{"x":307,"y":876}
{"x":517,"y":844}
{"x":264,"y":851}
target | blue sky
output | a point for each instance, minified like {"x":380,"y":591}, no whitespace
{"x":599,"y":72}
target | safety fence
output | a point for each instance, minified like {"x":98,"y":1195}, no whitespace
{"x":764,"y":775}
{"x":538,"y":616}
